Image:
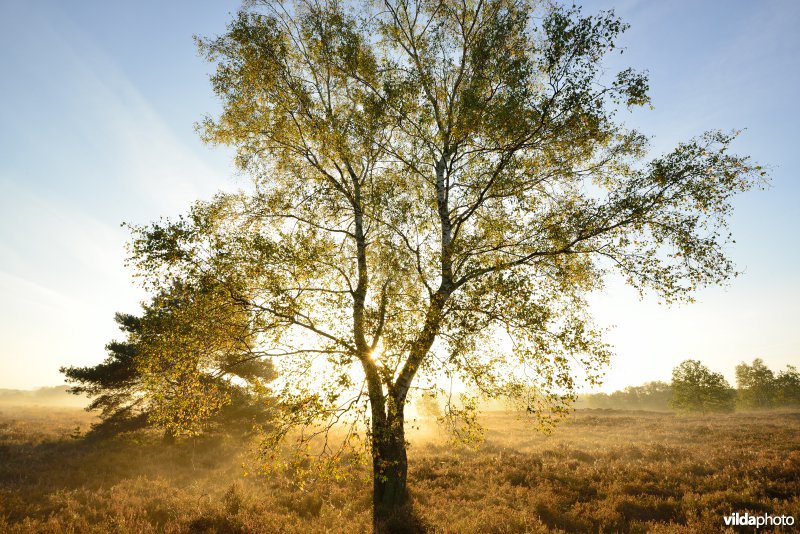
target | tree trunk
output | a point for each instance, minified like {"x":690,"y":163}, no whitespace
{"x":390,"y":469}
{"x":168,"y":438}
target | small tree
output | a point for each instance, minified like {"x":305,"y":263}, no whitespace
{"x":756,"y":385}
{"x":206,"y":337}
{"x":695,"y":388}
{"x":114,"y":385}
{"x":787,"y":387}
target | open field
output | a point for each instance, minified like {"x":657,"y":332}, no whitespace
{"x":600,"y":472}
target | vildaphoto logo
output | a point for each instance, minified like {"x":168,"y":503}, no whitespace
{"x":764,"y":520}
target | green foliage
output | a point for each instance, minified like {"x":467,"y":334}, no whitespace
{"x":114,"y":385}
{"x":185,"y":366}
{"x":756,"y":385}
{"x":461,"y":420}
{"x":695,"y":388}
{"x":757,"y":388}
{"x":197,"y":356}
{"x":787,"y":385}
{"x":437,"y":187}
{"x":760,"y":388}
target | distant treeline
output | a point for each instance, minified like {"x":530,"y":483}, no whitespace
{"x":695,"y":388}
{"x":650,"y":396}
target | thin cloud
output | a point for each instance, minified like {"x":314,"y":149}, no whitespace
{"x":87,"y":152}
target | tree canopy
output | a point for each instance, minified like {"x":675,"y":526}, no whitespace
{"x":756,"y":384}
{"x":437,"y":186}
{"x":759,"y":387}
{"x":695,"y":388}
{"x":788,"y":387}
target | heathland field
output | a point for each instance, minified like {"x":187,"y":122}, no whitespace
{"x":601,"y":471}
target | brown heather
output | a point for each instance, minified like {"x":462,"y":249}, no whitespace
{"x":601,"y":471}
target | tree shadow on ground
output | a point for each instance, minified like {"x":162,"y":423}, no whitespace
{"x":404,"y":520}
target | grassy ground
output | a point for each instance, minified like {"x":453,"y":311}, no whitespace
{"x":600,"y":472}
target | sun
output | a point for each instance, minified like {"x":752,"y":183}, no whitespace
{"x":376,"y":353}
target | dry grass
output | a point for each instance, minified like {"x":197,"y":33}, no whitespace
{"x":600,"y":472}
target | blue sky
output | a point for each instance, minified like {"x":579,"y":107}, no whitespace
{"x":97,"y":106}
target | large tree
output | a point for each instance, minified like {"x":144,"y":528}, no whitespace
{"x":438,"y":184}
